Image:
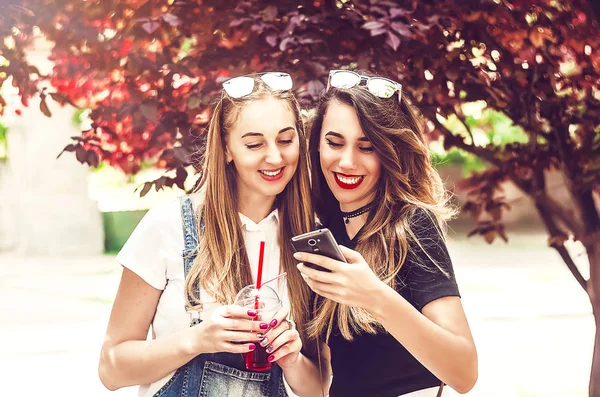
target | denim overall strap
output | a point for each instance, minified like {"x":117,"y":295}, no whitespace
{"x":190,"y":240}
{"x":190,"y":233}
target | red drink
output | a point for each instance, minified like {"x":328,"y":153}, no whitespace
{"x":266,"y":303}
{"x":256,"y":360}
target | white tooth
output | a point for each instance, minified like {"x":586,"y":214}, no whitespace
{"x":272,"y":173}
{"x":349,"y":181}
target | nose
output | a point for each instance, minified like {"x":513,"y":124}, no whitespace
{"x":348,"y":159}
{"x":273,"y":155}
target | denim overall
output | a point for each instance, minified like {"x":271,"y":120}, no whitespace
{"x":216,"y":374}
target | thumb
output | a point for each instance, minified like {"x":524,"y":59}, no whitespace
{"x":351,"y":255}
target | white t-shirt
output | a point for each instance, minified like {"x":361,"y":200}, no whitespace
{"x":154,"y":252}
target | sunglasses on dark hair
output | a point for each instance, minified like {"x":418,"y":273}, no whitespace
{"x":378,"y":86}
{"x":241,"y":86}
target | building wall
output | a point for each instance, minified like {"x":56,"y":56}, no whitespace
{"x":45,"y":208}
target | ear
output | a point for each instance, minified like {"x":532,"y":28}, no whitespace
{"x":228,"y":156}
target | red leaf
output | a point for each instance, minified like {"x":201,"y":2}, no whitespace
{"x":92,"y":159}
{"x":271,"y":40}
{"x":146,"y":189}
{"x":81,"y":154}
{"x":372,"y":25}
{"x":172,"y":20}
{"x":150,"y":26}
{"x":402,"y":29}
{"x":489,"y":236}
{"x":62,"y":99}
{"x":69,"y":148}
{"x":399,"y":12}
{"x":378,"y":32}
{"x":180,"y":177}
{"x":44,"y":107}
{"x":392,"y":40}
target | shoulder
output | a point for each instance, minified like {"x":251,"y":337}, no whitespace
{"x":167,"y":213}
{"x":424,"y":224}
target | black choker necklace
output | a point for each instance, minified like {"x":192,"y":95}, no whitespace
{"x":355,"y":213}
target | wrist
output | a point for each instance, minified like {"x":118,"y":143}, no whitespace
{"x":191,"y":340}
{"x":293,"y":365}
{"x":375,"y":299}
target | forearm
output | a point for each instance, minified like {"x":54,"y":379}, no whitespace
{"x":304,"y":380}
{"x":139,"y":362}
{"x":450,"y":357}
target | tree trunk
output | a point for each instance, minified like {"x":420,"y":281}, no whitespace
{"x":593,"y":251}
{"x":595,"y":374}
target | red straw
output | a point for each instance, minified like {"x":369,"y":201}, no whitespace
{"x":260,"y":264}
{"x":261,"y":257}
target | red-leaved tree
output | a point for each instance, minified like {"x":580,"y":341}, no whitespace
{"x":149,"y":69}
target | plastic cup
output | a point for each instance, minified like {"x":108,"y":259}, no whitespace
{"x":266,"y":302}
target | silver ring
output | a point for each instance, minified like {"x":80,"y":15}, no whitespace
{"x":291,"y":324}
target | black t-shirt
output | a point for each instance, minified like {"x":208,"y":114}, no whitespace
{"x":378,"y":365}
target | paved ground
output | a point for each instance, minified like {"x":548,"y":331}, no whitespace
{"x":531,"y":321}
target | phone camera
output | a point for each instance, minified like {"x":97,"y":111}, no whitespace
{"x":312,"y":242}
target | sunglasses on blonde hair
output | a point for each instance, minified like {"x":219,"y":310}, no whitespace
{"x":241,"y":86}
{"x":378,"y":86}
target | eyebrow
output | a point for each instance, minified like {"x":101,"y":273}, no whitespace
{"x":338,"y":135}
{"x":281,"y":131}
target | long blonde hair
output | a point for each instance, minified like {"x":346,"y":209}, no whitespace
{"x":408,"y":182}
{"x":221,"y":266}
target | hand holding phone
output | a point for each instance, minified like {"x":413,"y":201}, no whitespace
{"x":319,"y":242}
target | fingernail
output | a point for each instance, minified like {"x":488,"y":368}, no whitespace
{"x":252,"y":346}
{"x":269,"y":349}
{"x":263,"y":326}
{"x":297,"y":255}
{"x":264,"y":342}
{"x":273,"y":323}
{"x":271,"y":358}
{"x":252,"y":313}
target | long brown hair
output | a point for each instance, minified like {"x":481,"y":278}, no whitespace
{"x":221,"y":266}
{"x":408,"y":182}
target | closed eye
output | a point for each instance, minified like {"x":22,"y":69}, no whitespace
{"x":255,"y":146}
{"x":367,"y":149}
{"x":333,"y":144}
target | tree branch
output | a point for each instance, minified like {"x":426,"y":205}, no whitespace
{"x":478,"y":151}
{"x":583,"y":199}
{"x":556,"y":233}
{"x":565,"y":216}
{"x":590,"y":217}
{"x":463,"y":120}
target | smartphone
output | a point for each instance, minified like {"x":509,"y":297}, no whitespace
{"x":320,"y":242}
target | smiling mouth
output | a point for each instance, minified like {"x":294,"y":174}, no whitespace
{"x":348,"y":181}
{"x":271,"y":175}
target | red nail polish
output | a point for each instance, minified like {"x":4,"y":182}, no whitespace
{"x":263,"y":326}
{"x":273,"y":323}
{"x":252,"y":313}
{"x":252,"y":346}
{"x":271,"y":358}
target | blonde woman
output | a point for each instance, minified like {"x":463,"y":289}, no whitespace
{"x":391,"y":316}
{"x":193,"y":255}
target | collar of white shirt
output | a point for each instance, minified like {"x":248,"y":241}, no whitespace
{"x":251,"y":226}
